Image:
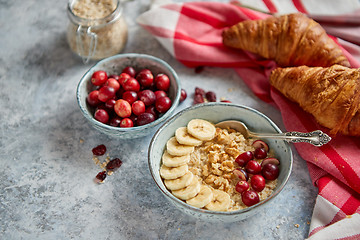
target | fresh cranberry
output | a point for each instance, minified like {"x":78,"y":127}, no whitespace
{"x":133,"y":118}
{"x":160,"y":93}
{"x":115,"y":121}
{"x":145,"y":78}
{"x":106,"y":93}
{"x":93,"y":98}
{"x":145,"y":118}
{"x":129,"y":70}
{"x":243,"y":158}
{"x":257,"y":183}
{"x":138,"y":107}
{"x":261,"y":144}
{"x":99,"y":150}
{"x":101,"y":115}
{"x":260,"y":153}
{"x":162,"y":82}
{"x":123,"y":77}
{"x":98,"y":78}
{"x":241,"y":174}
{"x":116,"y":77}
{"x":270,"y":171}
{"x":100,"y":177}
{"x":242,"y":186}
{"x":122,"y":108}
{"x":109,"y":105}
{"x":163,"y":104}
{"x":183,"y":95}
{"x":151,"y":109}
{"x":253,"y":167}
{"x":112,"y":82}
{"x":114,"y":164}
{"x":130,"y":96}
{"x":210,"y":96}
{"x":198,"y":98}
{"x":199,"y":91}
{"x":250,"y":197}
{"x":126,"y":122}
{"x":147,"y":96}
{"x":131,"y":84}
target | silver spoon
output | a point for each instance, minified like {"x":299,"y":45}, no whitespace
{"x":316,"y":138}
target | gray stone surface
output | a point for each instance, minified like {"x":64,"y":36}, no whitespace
{"x":46,"y":177}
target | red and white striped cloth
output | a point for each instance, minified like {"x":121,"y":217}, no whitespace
{"x":191,"y":32}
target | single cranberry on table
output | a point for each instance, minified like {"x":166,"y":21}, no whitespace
{"x":243,"y":158}
{"x":112,"y":82}
{"x":163,"y":104}
{"x":145,"y":118}
{"x":126,"y":123}
{"x":162,"y":82}
{"x":130,"y":96}
{"x":253,"y":167}
{"x":101,"y":115}
{"x":93,"y":98}
{"x":129,"y":70}
{"x":99,"y":150}
{"x":138,"y":107}
{"x":250,"y":197}
{"x":257,"y":183}
{"x":242,"y":186}
{"x":183,"y":95}
{"x":122,"y":108}
{"x":106,"y":93}
{"x":147,"y":96}
{"x":270,"y":171}
{"x":98,"y":78}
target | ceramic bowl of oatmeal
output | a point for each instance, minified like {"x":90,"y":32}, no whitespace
{"x":117,"y":96}
{"x":217,"y":174}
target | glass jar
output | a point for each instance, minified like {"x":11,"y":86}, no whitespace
{"x":97,"y":28}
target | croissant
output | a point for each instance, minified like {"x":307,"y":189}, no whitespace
{"x":289,"y":40}
{"x":331,"y":95}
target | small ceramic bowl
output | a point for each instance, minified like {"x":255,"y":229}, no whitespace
{"x":216,"y":112}
{"x":114,"y":65}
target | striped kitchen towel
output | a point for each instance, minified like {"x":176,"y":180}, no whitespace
{"x":191,"y":32}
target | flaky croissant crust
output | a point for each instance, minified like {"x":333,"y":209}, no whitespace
{"x":331,"y":95}
{"x":290,"y":40}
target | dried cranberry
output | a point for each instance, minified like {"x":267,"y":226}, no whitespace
{"x":113,"y":164}
{"x":198,"y":98}
{"x":99,"y":150}
{"x":101,"y":176}
{"x":199,"y":91}
{"x":210,"y":96}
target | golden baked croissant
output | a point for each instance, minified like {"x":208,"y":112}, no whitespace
{"x":331,"y":95}
{"x":290,"y":40}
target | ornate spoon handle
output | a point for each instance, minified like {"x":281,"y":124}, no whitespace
{"x":316,"y":138}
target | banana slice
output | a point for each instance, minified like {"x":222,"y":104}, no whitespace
{"x":201,"y":129}
{"x":179,"y":183}
{"x":202,"y":199}
{"x":220,"y":201}
{"x":183,"y":137}
{"x":189,"y":191}
{"x":176,"y":149}
{"x":174,"y":161}
{"x":173,"y":172}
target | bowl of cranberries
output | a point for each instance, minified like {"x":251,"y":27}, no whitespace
{"x":128,"y":95}
{"x":250,"y":172}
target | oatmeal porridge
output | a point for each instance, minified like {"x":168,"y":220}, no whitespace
{"x":218,"y":169}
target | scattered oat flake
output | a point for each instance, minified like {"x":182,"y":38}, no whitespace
{"x":278,"y":226}
{"x":308,"y":222}
{"x":296,"y":225}
{"x":348,"y":216}
{"x":81,"y":140}
{"x":230,"y":89}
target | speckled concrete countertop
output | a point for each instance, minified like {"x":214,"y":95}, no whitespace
{"x":46,"y":180}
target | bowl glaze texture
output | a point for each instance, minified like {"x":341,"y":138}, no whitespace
{"x":114,"y":65}
{"x":216,"y":112}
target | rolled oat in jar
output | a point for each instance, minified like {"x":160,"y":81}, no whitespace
{"x":97,"y":28}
